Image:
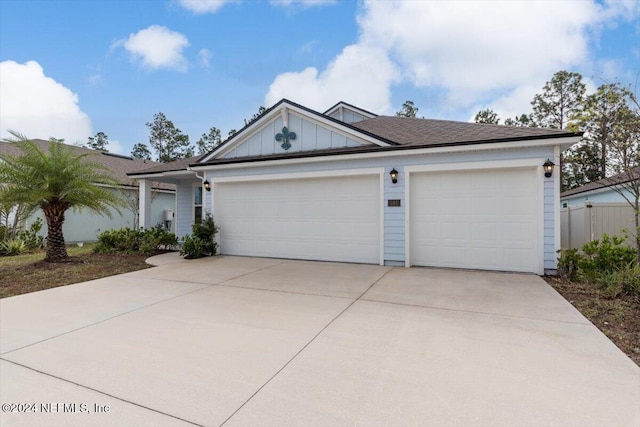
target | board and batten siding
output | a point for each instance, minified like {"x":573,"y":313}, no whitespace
{"x":310,"y":136}
{"x":348,"y":116}
{"x":394,"y":217}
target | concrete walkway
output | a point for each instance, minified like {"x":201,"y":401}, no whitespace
{"x":265,"y":342}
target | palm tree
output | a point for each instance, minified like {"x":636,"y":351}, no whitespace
{"x":55,"y":180}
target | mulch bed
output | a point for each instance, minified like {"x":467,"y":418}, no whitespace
{"x":23,"y":278}
{"x":618,"y":318}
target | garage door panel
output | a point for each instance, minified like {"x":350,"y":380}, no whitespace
{"x":483,"y":219}
{"x":333,"y":219}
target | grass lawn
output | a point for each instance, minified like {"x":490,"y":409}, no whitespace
{"x":29,"y":273}
{"x":617,"y":318}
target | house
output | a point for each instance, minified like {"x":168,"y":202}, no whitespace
{"x":348,"y":185}
{"x":85,"y":226}
{"x":603,"y":190}
{"x":597,"y":208}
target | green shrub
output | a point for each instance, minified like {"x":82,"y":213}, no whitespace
{"x":624,"y":281}
{"x":200,"y":242}
{"x":31,"y":236}
{"x":568,"y":263}
{"x":604,"y":256}
{"x":131,"y":241}
{"x":606,"y":263}
{"x":12,"y":247}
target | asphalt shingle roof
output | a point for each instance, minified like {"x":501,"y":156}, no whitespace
{"x":425,"y":132}
{"x":620,"y":178}
{"x":398,"y":132}
{"x":119,"y":165}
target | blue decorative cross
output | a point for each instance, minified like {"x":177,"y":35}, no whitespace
{"x":285,"y":136}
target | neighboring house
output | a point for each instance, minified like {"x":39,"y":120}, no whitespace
{"x":350,"y":186}
{"x":598,"y":208}
{"x":600,"y":191}
{"x":85,"y":226}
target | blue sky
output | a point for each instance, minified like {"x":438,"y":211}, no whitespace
{"x":69,"y":69}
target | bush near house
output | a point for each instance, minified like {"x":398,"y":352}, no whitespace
{"x":607,"y":264}
{"x":200,"y":242}
{"x":131,"y":241}
{"x":26,"y":240}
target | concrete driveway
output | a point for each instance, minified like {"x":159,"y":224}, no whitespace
{"x":248,"y":342}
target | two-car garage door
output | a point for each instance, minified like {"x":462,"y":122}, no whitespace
{"x":325,"y":218}
{"x":479,"y":219}
{"x":476,"y":219}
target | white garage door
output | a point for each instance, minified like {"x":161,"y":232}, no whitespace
{"x":485,"y":219}
{"x":330,"y":219}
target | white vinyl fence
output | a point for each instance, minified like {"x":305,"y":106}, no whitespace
{"x":589,"y":221}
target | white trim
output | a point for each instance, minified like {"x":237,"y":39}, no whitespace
{"x":407,"y":218}
{"x":299,"y":175}
{"x":556,"y":204}
{"x":393,"y":153}
{"x":310,"y":175}
{"x":381,"y":215}
{"x":286,"y":108}
{"x":518,"y":163}
{"x":195,"y":185}
{"x":534,"y":164}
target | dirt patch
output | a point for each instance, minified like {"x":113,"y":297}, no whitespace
{"x":618,"y":318}
{"x":22,"y":275}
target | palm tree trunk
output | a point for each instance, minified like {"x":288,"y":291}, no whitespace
{"x":56,"y":249}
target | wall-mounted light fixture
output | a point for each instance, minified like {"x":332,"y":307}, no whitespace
{"x":394,"y":175}
{"x":207,"y":185}
{"x":548,"y":168}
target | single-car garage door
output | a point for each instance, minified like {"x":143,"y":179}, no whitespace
{"x":329,"y":219}
{"x":481,"y":219}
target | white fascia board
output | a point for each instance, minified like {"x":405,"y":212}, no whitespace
{"x":299,"y":175}
{"x":282,"y":109}
{"x":551,"y":142}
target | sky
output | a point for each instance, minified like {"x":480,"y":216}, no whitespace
{"x":70,"y":69}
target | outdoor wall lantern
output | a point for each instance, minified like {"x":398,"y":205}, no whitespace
{"x":548,"y":168}
{"x":394,"y":175}
{"x":207,"y":185}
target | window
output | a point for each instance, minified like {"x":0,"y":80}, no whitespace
{"x":197,"y":204}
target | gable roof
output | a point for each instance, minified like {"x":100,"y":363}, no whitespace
{"x":389,"y":133}
{"x":282,"y":104}
{"x":119,"y":165}
{"x":428,"y":132}
{"x":358,"y":110}
{"x":617,"y":179}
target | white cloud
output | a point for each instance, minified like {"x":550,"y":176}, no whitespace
{"x":303,"y":3}
{"x":115,"y":147}
{"x":38,"y":106}
{"x":359,"y":75}
{"x":157,"y":47}
{"x":470,"y":48}
{"x":204,"y":6}
{"x":468,"y":51}
{"x":205,"y":57}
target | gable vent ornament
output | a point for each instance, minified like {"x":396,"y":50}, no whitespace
{"x":284,"y":137}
